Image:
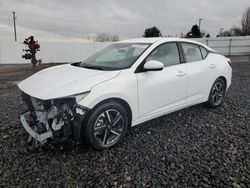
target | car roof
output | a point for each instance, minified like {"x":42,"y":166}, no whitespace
{"x":141,"y":40}
{"x":152,"y":40}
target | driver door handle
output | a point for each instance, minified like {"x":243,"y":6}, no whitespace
{"x":181,"y":73}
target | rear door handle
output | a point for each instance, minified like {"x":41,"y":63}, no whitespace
{"x":212,"y":66}
{"x":181,"y":73}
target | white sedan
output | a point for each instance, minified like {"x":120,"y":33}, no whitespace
{"x":123,"y":85}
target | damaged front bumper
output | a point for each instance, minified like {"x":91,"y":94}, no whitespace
{"x":42,"y":138}
{"x":53,"y":120}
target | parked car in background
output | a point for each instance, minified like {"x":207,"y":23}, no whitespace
{"x":123,"y":85}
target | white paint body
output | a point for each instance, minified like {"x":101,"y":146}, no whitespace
{"x":149,"y":94}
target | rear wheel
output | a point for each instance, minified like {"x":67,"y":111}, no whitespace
{"x":106,"y":126}
{"x":217,"y":93}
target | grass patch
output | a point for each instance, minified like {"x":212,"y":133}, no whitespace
{"x":8,"y":84}
{"x":11,"y":73}
{"x":24,"y":67}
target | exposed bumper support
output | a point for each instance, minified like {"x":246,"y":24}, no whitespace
{"x":42,"y":138}
{"x":80,"y":116}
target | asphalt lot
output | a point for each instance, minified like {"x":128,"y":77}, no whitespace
{"x":194,"y":147}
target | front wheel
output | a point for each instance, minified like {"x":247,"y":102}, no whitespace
{"x":217,"y":93}
{"x":106,"y":126}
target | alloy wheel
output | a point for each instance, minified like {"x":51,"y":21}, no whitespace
{"x":108,"y":127}
{"x":218,"y":93}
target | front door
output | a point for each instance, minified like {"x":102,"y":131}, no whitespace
{"x":160,"y":91}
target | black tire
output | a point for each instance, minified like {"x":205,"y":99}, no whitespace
{"x":106,"y":125}
{"x":217,"y":93}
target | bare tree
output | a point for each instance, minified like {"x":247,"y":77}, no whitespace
{"x":114,"y":38}
{"x":103,"y":37}
{"x":243,"y":30}
{"x":225,"y":34}
{"x":245,"y":22}
{"x":236,"y":31}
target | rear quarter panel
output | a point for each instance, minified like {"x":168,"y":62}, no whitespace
{"x":222,"y":67}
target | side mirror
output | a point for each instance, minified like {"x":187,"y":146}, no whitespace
{"x":153,"y":65}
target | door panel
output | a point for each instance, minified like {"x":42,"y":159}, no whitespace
{"x":200,"y":73}
{"x":162,"y":90}
{"x":200,"y":79}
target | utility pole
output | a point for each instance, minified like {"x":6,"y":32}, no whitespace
{"x":14,"y":21}
{"x":200,"y":19}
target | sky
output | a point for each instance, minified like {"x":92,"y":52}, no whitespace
{"x":77,"y":20}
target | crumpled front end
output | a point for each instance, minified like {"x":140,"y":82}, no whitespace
{"x":52,"y":120}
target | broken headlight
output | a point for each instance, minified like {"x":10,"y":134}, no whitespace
{"x":70,"y":103}
{"x":81,"y":96}
{"x":70,"y":100}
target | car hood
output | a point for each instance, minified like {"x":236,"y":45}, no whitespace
{"x":64,"y":80}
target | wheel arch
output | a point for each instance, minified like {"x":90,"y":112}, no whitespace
{"x":224,"y":79}
{"x":221,"y":77}
{"x":210,"y":101}
{"x":121,"y":102}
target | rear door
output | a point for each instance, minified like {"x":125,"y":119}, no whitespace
{"x":199,"y":71}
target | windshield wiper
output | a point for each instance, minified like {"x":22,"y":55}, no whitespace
{"x":92,"y":67}
{"x":77,"y":64}
{"x":88,"y":66}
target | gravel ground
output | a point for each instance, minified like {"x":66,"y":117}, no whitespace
{"x":194,"y":147}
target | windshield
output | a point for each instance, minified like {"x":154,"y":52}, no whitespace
{"x":115,"y":56}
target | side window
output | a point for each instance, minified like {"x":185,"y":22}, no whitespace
{"x":167,"y":53}
{"x":192,"y":52}
{"x":203,"y":52}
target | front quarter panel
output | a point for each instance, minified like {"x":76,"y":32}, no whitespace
{"x":123,"y":86}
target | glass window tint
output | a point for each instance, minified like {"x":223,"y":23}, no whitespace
{"x":192,"y":52}
{"x":204,"y":52}
{"x":167,"y":53}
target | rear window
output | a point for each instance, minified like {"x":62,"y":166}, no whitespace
{"x":192,"y":52}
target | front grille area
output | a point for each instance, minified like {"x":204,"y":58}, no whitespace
{"x":26,"y":102}
{"x":33,"y":104}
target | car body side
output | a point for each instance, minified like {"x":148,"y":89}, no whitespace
{"x":124,"y":86}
